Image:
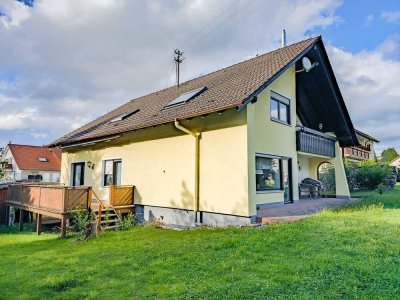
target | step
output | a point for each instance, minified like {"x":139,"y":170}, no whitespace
{"x":110,"y":227}
{"x":108,"y":221}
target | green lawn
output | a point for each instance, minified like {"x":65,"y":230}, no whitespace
{"x":349,"y":253}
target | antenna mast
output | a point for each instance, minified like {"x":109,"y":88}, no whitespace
{"x":178,"y":60}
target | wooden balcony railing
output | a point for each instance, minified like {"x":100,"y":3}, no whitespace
{"x":121,"y":195}
{"x":315,"y":142}
{"x":358,"y":153}
{"x":57,"y":199}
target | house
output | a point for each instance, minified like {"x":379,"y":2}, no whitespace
{"x":395,"y":162}
{"x":31,"y":163}
{"x":364,"y":151}
{"x":215,"y":149}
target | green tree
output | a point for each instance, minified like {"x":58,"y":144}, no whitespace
{"x":388,"y":155}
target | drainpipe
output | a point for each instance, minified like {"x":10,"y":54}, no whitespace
{"x":197,"y":136}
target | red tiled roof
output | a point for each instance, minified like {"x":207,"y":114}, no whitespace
{"x":226,"y":88}
{"x":27,"y":157}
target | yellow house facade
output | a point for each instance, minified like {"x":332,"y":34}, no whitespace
{"x":238,"y":141}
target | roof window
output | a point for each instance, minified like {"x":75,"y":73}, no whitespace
{"x":42,"y":159}
{"x":185,"y":97}
{"x":124,"y":116}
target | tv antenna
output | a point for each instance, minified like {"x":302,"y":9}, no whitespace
{"x":178,"y":60}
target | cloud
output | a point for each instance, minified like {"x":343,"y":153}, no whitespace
{"x":13,"y":13}
{"x":74,"y":60}
{"x":369,"y":84}
{"x":369,"y":19}
{"x":391,"y":16}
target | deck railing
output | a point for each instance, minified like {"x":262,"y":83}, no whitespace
{"x":121,"y":195}
{"x":357,"y":153}
{"x":52,"y":198}
{"x":315,"y":142}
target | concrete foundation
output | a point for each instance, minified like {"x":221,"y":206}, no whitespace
{"x":144,"y":213}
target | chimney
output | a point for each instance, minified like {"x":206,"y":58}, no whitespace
{"x":283,"y":38}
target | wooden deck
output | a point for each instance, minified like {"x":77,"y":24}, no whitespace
{"x":58,"y":201}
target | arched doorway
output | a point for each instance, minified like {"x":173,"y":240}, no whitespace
{"x":326,"y":174}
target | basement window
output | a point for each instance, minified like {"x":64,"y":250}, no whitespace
{"x":43,"y":159}
{"x":185,"y":97}
{"x":124,"y":116}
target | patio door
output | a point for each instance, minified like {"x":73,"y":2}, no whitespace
{"x":78,"y":174}
{"x":287,"y":180}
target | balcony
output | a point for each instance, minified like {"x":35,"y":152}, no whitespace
{"x":357,"y":153}
{"x":315,"y":142}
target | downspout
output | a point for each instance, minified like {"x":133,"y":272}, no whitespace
{"x":197,"y":136}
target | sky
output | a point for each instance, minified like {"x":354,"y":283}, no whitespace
{"x":64,"y":63}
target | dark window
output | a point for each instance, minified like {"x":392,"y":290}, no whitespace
{"x":268,"y":173}
{"x":78,"y":174}
{"x":112,"y":172}
{"x":280,"y":108}
{"x":35,"y":177}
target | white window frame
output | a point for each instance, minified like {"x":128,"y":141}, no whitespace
{"x":103,"y":162}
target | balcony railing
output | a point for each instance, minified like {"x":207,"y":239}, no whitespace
{"x":357,"y":153}
{"x":315,"y":142}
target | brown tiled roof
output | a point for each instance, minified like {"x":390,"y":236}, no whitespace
{"x":226,"y":88}
{"x":26,"y":157}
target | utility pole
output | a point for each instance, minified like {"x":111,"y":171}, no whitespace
{"x":178,"y":60}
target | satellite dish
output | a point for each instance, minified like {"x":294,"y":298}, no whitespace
{"x":307,"y":65}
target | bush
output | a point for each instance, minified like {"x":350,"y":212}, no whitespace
{"x":351,"y":170}
{"x":398,"y":175}
{"x":126,"y":222}
{"x":327,"y":177}
{"x":370,"y":176}
{"x":81,"y":218}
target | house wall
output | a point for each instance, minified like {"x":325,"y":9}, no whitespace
{"x":342,"y":187}
{"x":303,"y":167}
{"x":160,"y":162}
{"x":270,"y":137}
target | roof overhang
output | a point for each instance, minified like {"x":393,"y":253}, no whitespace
{"x":319,"y":100}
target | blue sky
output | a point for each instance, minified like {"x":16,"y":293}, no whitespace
{"x":362,"y":26}
{"x":67,"y":62}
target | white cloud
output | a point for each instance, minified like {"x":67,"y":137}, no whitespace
{"x":369,"y":82}
{"x":14,"y":13}
{"x":391,"y":16}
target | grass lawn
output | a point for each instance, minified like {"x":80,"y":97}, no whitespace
{"x":348,"y":253}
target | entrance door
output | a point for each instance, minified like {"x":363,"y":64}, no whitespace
{"x":78,"y":174}
{"x":287,"y":180}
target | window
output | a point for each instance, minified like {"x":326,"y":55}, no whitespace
{"x":280,"y":108}
{"x":185,"y":97}
{"x":268,"y":173}
{"x":35,"y":177}
{"x":78,"y":174}
{"x":112,"y":172}
{"x":43,"y":159}
{"x":124,"y":116}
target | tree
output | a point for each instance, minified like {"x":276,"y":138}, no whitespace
{"x":388,"y":155}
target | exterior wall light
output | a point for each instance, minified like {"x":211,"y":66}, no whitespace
{"x":90,"y":165}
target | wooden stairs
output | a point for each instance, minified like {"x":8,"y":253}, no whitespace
{"x":105,"y":215}
{"x":106,"y":218}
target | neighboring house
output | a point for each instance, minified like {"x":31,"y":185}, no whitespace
{"x":395,"y":162}
{"x":31,"y":163}
{"x":216,"y":148}
{"x":364,"y":151}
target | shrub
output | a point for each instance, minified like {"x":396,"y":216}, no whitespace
{"x":350,"y":170}
{"x":327,"y":176}
{"x":81,"y":218}
{"x":126,"y":222}
{"x":398,"y":175}
{"x":369,"y":176}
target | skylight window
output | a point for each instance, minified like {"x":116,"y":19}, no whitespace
{"x":185,"y":97}
{"x":42,"y":159}
{"x":124,"y":116}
